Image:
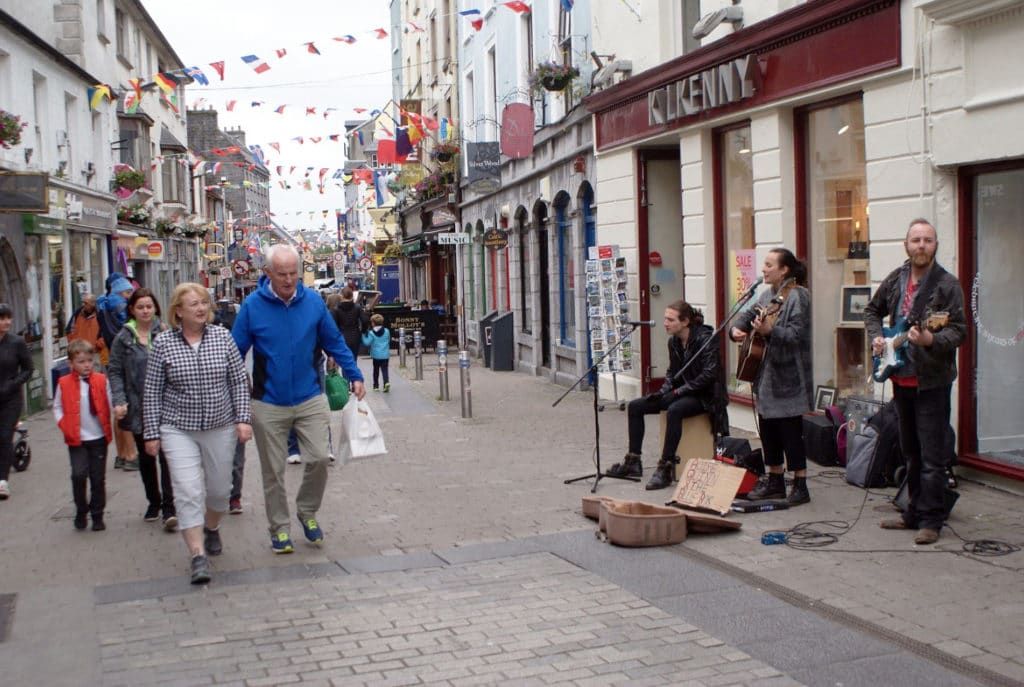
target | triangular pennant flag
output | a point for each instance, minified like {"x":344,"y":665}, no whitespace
{"x":413,"y":28}
{"x":281,"y":52}
{"x":517,"y":6}
{"x":256,"y":103}
{"x":316,"y":139}
{"x":346,"y":39}
{"x":276,"y":147}
{"x":219,"y":68}
{"x":310,"y":111}
{"x":333,"y":137}
{"x":466,"y":13}
{"x":477,"y":24}
{"x":567,"y":5}
{"x":381,"y":34}
{"x":280,"y":109}
{"x":311,"y":48}
{"x":231,"y":105}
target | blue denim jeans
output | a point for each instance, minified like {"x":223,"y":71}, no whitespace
{"x":924,"y":426}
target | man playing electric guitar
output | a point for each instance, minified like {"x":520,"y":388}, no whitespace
{"x":922,"y":384}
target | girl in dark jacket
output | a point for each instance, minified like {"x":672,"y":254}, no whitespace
{"x":700,"y":388}
{"x":127,"y":373}
{"x":15,"y":370}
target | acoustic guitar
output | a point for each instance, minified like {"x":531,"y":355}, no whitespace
{"x":894,"y":356}
{"x":753,"y":347}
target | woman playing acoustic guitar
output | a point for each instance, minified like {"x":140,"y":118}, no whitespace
{"x":783,"y":385}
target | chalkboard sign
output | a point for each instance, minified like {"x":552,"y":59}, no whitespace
{"x":23,"y":192}
{"x":427,"y":321}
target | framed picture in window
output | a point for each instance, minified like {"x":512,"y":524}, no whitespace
{"x":824,"y":396}
{"x":853,"y":302}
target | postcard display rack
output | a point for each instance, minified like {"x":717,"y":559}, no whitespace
{"x":607,"y":309}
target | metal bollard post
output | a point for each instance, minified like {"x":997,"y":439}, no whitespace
{"x":465,"y":391}
{"x":401,"y":347}
{"x":442,"y":367}
{"x":417,"y":351}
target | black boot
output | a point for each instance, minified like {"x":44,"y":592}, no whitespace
{"x":772,"y":488}
{"x":663,"y":475}
{"x":629,"y":467}
{"x":798,"y":494}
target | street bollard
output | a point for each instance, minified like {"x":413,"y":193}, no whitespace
{"x":442,"y":367}
{"x":401,"y":347}
{"x":464,"y":390}
{"x":417,"y":351}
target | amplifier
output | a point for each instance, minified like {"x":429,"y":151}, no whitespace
{"x":859,"y":410}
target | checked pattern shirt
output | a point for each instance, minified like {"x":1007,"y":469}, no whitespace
{"x":194,"y":390}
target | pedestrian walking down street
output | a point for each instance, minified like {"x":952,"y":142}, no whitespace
{"x":85,"y":324}
{"x":15,"y":370}
{"x":378,"y":340}
{"x":195,"y":407}
{"x":351,"y":320}
{"x":784,"y":386}
{"x":285,"y":324}
{"x":112,"y":313}
{"x":127,"y":375}
{"x":81,"y":406}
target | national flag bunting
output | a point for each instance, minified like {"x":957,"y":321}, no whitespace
{"x":280,"y":109}
{"x":517,"y":6}
{"x":477,"y":24}
{"x":567,"y":5}
{"x":281,"y":52}
{"x":166,"y":81}
{"x":381,"y":34}
{"x":312,"y":48}
{"x":97,"y":93}
{"x":219,"y":68}
{"x":346,"y":39}
{"x":197,"y":74}
{"x":231,"y":105}
{"x":258,"y":65}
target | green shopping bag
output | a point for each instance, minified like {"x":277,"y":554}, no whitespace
{"x":337,"y":390}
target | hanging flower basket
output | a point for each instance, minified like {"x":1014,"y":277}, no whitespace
{"x":445,"y":151}
{"x":127,"y":180}
{"x":134,"y":214}
{"x":551,"y":76}
{"x":10,"y":129}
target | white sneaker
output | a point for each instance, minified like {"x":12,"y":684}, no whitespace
{"x":294,"y":459}
{"x":5,"y":491}
{"x":331,"y":456}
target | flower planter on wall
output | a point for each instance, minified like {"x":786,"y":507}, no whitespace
{"x":555,"y":83}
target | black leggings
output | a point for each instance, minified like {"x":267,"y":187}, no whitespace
{"x":10,"y":411}
{"x":783,"y":435}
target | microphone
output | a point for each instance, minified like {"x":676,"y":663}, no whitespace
{"x":753,"y":287}
{"x":644,"y":323}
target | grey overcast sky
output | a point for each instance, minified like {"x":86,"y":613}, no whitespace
{"x":343,"y":76}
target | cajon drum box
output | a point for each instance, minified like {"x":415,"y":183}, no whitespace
{"x":697,"y":441}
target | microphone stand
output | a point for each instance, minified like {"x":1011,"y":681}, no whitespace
{"x":597,"y":475}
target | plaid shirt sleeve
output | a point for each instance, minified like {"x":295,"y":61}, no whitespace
{"x":194,"y":390}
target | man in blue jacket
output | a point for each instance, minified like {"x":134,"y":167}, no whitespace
{"x":286,"y":325}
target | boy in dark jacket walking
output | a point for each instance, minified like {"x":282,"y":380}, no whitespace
{"x":378,"y":340}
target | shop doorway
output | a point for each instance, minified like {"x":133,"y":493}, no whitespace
{"x":992,"y":361}
{"x":660,"y":256}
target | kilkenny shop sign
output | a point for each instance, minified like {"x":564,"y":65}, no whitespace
{"x":722,"y":84}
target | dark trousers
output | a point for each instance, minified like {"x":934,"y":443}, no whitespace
{"x":10,"y":411}
{"x":783,"y":435}
{"x":652,"y":404}
{"x":238,"y":470}
{"x":380,"y":367}
{"x":89,"y":463}
{"x":924,"y":427}
{"x":159,"y":493}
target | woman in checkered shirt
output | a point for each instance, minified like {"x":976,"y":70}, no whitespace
{"x":195,"y":407}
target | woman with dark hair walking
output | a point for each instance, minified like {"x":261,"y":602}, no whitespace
{"x":15,"y":369}
{"x":783,"y":385}
{"x":700,"y":388}
{"x":127,"y":373}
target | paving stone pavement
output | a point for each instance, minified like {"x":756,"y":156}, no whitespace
{"x":479,"y":506}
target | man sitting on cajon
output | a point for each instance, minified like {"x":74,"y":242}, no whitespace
{"x":699,"y":389}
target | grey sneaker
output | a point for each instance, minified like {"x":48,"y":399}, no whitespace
{"x":212,"y":543}
{"x":200,"y":570}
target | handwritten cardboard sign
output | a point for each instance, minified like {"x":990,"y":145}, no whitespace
{"x":708,"y":485}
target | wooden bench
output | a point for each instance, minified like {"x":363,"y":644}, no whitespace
{"x":698,"y":440}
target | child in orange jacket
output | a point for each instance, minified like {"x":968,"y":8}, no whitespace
{"x":81,"y":406}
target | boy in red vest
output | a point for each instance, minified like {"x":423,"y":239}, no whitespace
{"x":81,"y":406}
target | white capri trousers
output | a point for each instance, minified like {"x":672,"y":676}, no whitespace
{"x":200,"y":465}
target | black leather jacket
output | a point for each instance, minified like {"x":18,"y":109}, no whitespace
{"x":935,"y":365}
{"x":704,"y":378}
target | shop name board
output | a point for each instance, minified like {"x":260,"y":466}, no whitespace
{"x":23,"y":192}
{"x":453,"y":239}
{"x":717,"y":86}
{"x":495,"y":238}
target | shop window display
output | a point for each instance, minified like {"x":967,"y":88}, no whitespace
{"x":837,"y":240}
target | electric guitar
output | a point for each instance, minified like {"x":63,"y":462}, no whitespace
{"x":894,"y":356}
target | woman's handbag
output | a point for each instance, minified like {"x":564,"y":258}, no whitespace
{"x":362,"y":433}
{"x":337,"y":390}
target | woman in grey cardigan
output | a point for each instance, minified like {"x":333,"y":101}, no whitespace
{"x":127,"y":373}
{"x":783,"y":387}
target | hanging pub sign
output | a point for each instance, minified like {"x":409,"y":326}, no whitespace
{"x":484,"y":160}
{"x":496,"y":239}
{"x":517,"y":131}
{"x":24,"y":192}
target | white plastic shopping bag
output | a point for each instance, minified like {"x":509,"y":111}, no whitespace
{"x":363,"y":436}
